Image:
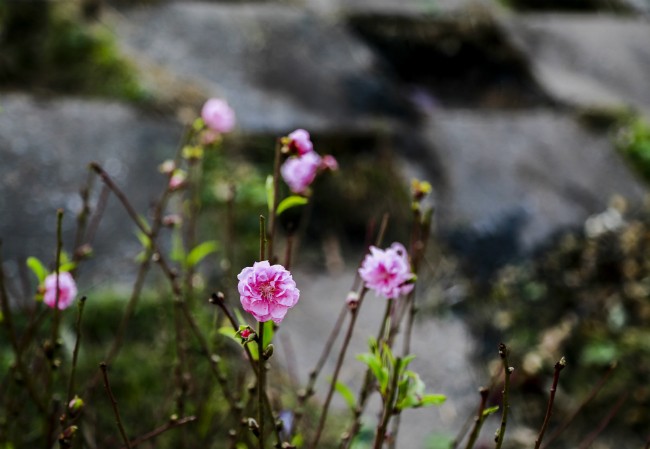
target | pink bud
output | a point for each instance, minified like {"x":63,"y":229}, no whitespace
{"x":67,"y":290}
{"x":300,"y":142}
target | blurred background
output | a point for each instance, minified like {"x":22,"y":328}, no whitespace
{"x":530,"y":118}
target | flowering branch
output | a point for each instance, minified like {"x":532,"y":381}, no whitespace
{"x":559,"y":366}
{"x":261,"y":382}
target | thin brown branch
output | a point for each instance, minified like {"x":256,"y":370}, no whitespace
{"x":594,"y":392}
{"x":172,"y":424}
{"x":75,"y":351}
{"x":501,"y":432}
{"x":602,"y":425}
{"x":479,"y":419}
{"x":559,"y":366}
{"x":116,"y":411}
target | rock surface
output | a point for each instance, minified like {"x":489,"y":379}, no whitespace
{"x":280,"y":67}
{"x":587,"y":60}
{"x":45,"y":149}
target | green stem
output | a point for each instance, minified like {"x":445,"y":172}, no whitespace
{"x":388,"y":406}
{"x":261,"y":382}
{"x":276,"y":193}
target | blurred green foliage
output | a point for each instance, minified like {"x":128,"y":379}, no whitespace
{"x":48,"y":47}
{"x":633,"y":141}
{"x":585,"y":297}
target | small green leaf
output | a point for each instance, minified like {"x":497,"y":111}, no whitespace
{"x":269,"y":193}
{"x":66,"y":267}
{"x":347,"y":394}
{"x":289,"y":202}
{"x":228,"y":331}
{"x":433,"y":399}
{"x":200,"y":251}
{"x":37,"y":268}
{"x":488,"y":411}
{"x":298,"y":440}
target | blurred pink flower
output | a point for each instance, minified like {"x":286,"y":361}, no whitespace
{"x":267,"y":291}
{"x":329,"y":163}
{"x":67,"y":290}
{"x":300,"y":171}
{"x":177,"y":180}
{"x":300,"y":142}
{"x":218,"y":115}
{"x":387,"y":272}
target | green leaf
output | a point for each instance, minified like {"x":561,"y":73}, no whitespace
{"x":298,"y":440}
{"x":269,"y":193}
{"x":37,"y":268}
{"x":66,"y":267}
{"x":347,"y":394}
{"x":432,"y":399}
{"x":200,"y":251}
{"x":228,"y":331}
{"x":289,"y":202}
{"x":490,"y":410}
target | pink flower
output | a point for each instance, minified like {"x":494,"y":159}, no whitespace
{"x":387,"y":272}
{"x":300,"y":142}
{"x":329,"y":163}
{"x":267,"y":291}
{"x":67,"y":290}
{"x":300,"y":171}
{"x":218,"y":115}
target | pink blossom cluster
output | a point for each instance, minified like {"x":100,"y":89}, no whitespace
{"x":267,"y":291}
{"x":218,"y":116}
{"x":300,"y":169}
{"x":67,"y":290}
{"x":387,"y":272}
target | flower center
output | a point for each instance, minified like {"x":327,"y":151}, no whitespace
{"x":267,"y":291}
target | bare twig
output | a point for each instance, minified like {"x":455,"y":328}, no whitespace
{"x":162,"y":429}
{"x":354,"y":313}
{"x":77,"y":344}
{"x":479,"y":419}
{"x":559,"y":366}
{"x":501,"y":432}
{"x":604,"y":422}
{"x":582,"y":405}
{"x":116,"y":411}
